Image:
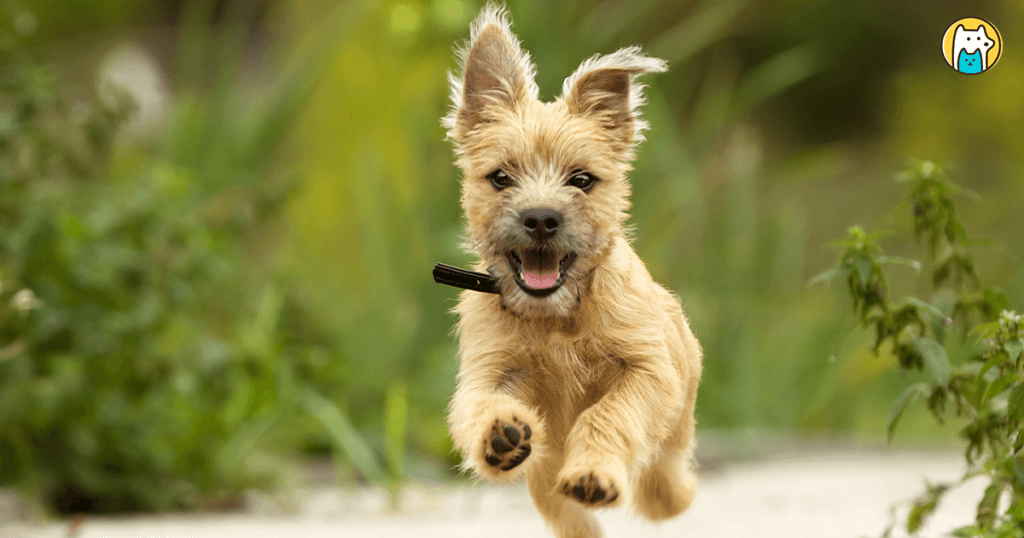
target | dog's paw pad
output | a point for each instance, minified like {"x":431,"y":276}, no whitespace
{"x":591,"y":489}
{"x":508,"y":444}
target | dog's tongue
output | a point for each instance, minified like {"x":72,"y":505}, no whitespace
{"x":540,"y":281}
{"x":540,"y":269}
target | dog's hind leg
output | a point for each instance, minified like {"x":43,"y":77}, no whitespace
{"x":667,"y":487}
{"x":568,"y":519}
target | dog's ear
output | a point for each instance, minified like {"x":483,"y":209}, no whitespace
{"x":605,"y":88}
{"x":497,"y":72}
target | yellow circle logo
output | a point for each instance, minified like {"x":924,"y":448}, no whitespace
{"x":972,"y":46}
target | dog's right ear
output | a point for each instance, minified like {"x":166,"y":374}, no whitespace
{"x":605,"y":88}
{"x":497,"y":72}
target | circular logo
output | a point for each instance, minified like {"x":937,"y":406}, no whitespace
{"x":972,"y":45}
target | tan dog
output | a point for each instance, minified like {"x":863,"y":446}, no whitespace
{"x":582,"y":373}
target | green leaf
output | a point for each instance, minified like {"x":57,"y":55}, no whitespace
{"x":699,"y":30}
{"x":996,"y":299}
{"x":1018,"y":470}
{"x":909,"y":395}
{"x":1014,"y":348}
{"x":989,"y":505}
{"x":605,"y":22}
{"x":979,"y":391}
{"x":344,"y":435}
{"x":924,"y":506}
{"x":777,"y":74}
{"x":934,"y":356}
{"x":1015,"y":407}
{"x":970,"y":531}
{"x":985,"y":330}
{"x":930,"y":308}
{"x":828,"y":274}
{"x":917,"y":516}
{"x":397,"y":413}
{"x":989,"y":364}
{"x":863,"y":266}
{"x":916,"y":265}
{"x":998,"y":386}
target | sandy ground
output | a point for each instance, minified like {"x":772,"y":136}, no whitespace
{"x":812,"y":494}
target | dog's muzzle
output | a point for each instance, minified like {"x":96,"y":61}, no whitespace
{"x":539,"y":271}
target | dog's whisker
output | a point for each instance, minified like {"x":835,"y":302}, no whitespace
{"x":579,"y":290}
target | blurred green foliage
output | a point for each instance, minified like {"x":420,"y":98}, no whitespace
{"x":156,"y":365}
{"x":249,"y":281}
{"x":986,"y":389}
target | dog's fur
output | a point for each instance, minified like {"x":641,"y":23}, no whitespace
{"x":588,"y":391}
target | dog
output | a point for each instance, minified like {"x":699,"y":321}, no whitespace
{"x":581,"y":374}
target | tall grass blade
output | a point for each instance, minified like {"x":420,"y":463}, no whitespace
{"x":345,"y":436}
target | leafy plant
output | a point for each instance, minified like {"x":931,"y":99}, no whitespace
{"x":986,"y":391}
{"x":150,"y":357}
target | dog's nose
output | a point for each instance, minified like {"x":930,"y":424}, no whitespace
{"x":541,"y":223}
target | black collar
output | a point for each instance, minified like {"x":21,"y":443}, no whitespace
{"x":461,"y":278}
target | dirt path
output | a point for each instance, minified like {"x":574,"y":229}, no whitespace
{"x":813,"y":494}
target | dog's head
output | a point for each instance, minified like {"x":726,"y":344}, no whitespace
{"x":544,"y":189}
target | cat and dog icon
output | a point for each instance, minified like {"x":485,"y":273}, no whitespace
{"x":972,"y":46}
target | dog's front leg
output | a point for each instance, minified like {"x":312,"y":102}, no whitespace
{"x":627,"y":424}
{"x":494,"y":430}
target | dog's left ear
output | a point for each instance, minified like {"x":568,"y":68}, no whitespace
{"x":497,"y":74}
{"x":605,"y":88}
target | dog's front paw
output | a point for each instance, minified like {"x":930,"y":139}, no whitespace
{"x":499,"y":437}
{"x":508,"y":444}
{"x":598,"y":484}
{"x":590,"y":488}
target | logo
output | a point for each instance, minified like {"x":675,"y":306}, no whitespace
{"x":972,"y":46}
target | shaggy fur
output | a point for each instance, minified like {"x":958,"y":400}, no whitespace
{"x":586,"y":388}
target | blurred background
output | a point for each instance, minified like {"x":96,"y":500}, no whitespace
{"x":218,"y":220}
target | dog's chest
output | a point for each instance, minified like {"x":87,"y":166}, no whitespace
{"x":574,"y":368}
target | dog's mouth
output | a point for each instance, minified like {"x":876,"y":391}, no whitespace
{"x":539,"y":271}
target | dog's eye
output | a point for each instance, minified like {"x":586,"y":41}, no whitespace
{"x":582,"y":180}
{"x":500,"y":179}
